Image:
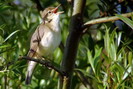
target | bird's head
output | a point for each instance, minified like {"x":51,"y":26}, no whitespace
{"x":50,"y":14}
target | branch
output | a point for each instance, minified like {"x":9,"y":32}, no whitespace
{"x":61,"y":46}
{"x":107,"y":19}
{"x":63,"y":4}
{"x":83,"y":79}
{"x":72,"y":44}
{"x":38,"y":4}
{"x":47,"y":63}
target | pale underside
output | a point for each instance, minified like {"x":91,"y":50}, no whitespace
{"x":46,"y":38}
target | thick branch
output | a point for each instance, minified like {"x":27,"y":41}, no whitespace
{"x":107,"y":19}
{"x":44,"y":62}
{"x":72,"y":43}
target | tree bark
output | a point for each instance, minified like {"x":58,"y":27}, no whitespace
{"x":72,"y":43}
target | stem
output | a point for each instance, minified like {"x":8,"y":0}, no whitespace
{"x":47,"y":63}
{"x":72,"y":43}
{"x":5,"y":84}
{"x":107,"y":19}
{"x":83,"y":79}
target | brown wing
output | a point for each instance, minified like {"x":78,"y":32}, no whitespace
{"x":35,"y":40}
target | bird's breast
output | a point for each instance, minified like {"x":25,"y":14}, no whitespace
{"x":49,"y":42}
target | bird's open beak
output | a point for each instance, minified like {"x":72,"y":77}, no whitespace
{"x":56,"y":9}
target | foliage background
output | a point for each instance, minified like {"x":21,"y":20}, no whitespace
{"x":105,"y":53}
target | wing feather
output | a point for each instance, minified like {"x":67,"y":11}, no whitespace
{"x":35,"y":40}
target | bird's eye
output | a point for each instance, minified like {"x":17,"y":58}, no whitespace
{"x":49,"y":12}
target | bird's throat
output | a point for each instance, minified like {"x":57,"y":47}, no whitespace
{"x":54,"y":24}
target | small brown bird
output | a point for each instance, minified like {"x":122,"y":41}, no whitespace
{"x":45,"y":39}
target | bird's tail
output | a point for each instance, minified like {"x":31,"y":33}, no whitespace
{"x":30,"y":70}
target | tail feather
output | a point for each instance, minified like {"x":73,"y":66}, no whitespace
{"x":30,"y":70}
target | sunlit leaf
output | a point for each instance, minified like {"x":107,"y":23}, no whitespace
{"x":126,"y":20}
{"x":127,"y":72}
{"x":4,"y":46}
{"x":91,"y":60}
{"x":11,"y":35}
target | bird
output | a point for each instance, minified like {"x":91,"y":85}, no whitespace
{"x":45,"y":39}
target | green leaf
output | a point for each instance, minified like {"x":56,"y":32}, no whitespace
{"x":91,"y":60}
{"x":130,"y":56}
{"x":4,"y":46}
{"x":96,"y":62}
{"x":4,"y":7}
{"x":127,"y":72}
{"x":107,"y":41}
{"x":11,"y":35}
{"x":126,"y":20}
{"x":113,"y":52}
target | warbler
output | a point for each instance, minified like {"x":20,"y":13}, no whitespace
{"x":45,"y":39}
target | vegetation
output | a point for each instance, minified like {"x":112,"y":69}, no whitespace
{"x":103,"y":53}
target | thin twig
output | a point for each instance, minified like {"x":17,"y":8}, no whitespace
{"x":47,"y":63}
{"x":83,"y":79}
{"x":107,"y":19}
{"x":63,"y":4}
